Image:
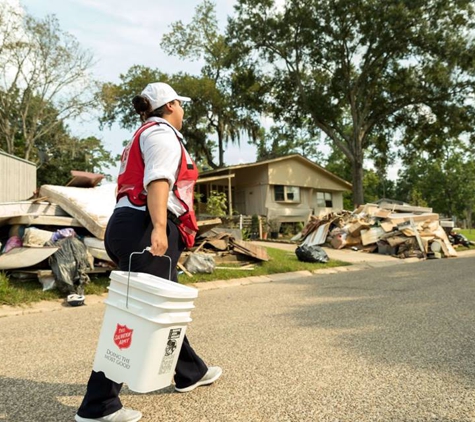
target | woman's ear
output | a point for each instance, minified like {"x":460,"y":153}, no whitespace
{"x":169,"y":106}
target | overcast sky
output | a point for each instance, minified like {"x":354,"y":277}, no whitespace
{"x":122,"y":33}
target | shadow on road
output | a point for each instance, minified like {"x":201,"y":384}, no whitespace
{"x":421,"y":315}
{"x":30,"y":401}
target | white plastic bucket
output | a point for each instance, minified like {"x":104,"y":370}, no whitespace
{"x":143,"y":330}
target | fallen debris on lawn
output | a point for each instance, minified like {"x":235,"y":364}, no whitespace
{"x":399,"y":230}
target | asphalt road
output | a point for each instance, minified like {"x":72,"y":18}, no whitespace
{"x":384,"y":344}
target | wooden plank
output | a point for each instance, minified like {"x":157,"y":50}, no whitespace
{"x":219,"y":244}
{"x":405,"y":208}
{"x":355,"y":228}
{"x":396,"y":240}
{"x":84,"y":179}
{"x":417,"y":218}
{"x":421,"y":244}
{"x":44,"y":220}
{"x":371,"y":236}
{"x":446,"y":245}
{"x":182,"y":267}
{"x":387,"y":226}
{"x":93,"y":242}
{"x":381,"y":213}
{"x":247,"y":248}
{"x":205,"y":225}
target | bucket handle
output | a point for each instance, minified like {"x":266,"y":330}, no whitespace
{"x":147,"y":249}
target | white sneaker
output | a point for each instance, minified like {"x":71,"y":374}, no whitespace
{"x":122,"y":415}
{"x":213,"y":373}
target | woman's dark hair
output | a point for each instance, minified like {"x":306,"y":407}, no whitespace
{"x":142,"y":107}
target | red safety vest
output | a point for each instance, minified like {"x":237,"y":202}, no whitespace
{"x":130,"y":183}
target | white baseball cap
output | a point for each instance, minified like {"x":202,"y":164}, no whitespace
{"x":159,"y":93}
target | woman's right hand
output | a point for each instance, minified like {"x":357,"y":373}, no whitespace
{"x":159,"y":241}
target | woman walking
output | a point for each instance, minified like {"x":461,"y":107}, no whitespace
{"x":154,"y":208}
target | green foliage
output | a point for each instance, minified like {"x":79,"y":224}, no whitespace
{"x":219,"y":107}
{"x":255,"y":222}
{"x":46,"y":82}
{"x":58,"y":159}
{"x":116,"y":102}
{"x":367,"y":74}
{"x":376,"y":184}
{"x":468,"y":233}
{"x":446,"y":183}
{"x":283,"y":140}
{"x":217,"y":204}
{"x":274,"y":225}
{"x":246,"y":234}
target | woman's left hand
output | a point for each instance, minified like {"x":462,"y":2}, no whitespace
{"x":159,"y":242}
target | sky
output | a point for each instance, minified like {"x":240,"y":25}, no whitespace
{"x":123,"y":33}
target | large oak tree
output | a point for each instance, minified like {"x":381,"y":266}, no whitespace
{"x":363,"y":71}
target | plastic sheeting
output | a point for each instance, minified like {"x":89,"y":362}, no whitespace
{"x":69,"y":265}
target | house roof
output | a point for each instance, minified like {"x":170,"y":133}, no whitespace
{"x":14,"y":157}
{"x":274,"y":160}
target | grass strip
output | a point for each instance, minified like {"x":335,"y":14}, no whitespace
{"x":24,"y":292}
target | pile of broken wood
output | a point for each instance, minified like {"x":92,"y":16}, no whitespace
{"x":83,"y":207}
{"x":386,"y":228}
{"x":226,"y":249}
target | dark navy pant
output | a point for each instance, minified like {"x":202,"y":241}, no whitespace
{"x":128,"y":231}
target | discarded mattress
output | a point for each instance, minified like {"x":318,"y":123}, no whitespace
{"x":25,"y":257}
{"x":96,"y":248}
{"x":9,"y":210}
{"x":92,"y":207}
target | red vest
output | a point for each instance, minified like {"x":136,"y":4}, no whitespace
{"x":130,"y":183}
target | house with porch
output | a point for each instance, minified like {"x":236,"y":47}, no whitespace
{"x":286,"y":189}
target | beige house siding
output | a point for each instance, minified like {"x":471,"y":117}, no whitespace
{"x":17,"y":178}
{"x":310,"y":181}
{"x":254,"y":187}
{"x":300,"y":174}
{"x":289,"y":212}
{"x":253,"y":183}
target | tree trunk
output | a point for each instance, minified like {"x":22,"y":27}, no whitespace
{"x":357,"y":170}
{"x":221,"y":149}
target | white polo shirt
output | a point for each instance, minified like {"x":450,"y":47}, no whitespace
{"x":161,"y":153}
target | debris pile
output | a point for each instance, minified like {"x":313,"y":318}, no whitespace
{"x":217,"y":248}
{"x":35,"y":234}
{"x":400,"y":230}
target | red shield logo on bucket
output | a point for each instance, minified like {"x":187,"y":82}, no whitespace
{"x":123,"y":336}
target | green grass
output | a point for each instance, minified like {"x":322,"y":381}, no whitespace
{"x":25,"y":292}
{"x":468,"y":233}
{"x":16,"y":292}
{"x":280,"y":262}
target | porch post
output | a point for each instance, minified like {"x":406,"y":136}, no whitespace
{"x":230,"y":197}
